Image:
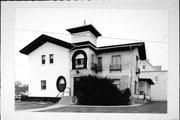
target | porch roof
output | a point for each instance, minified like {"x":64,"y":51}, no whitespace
{"x":148,"y":80}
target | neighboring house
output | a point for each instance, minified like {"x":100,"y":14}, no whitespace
{"x":158,"y":76}
{"x":51,"y":60}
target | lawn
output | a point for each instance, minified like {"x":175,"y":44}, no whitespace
{"x":152,"y":107}
{"x":20,"y":105}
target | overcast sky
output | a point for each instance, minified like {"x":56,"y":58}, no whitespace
{"x":117,"y":26}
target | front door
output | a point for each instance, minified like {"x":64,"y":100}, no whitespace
{"x":76,"y":80}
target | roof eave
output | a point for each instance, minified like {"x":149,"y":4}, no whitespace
{"x":41,"y":40}
{"x":89,"y":27}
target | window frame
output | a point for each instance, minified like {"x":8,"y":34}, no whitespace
{"x":43,"y":85}
{"x":99,"y":63}
{"x":116,"y":56}
{"x":79,"y":63}
{"x":51,"y":60}
{"x":144,"y":67}
{"x":83,"y":60}
{"x":43,"y":59}
{"x":115,"y":66}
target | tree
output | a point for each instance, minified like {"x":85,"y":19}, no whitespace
{"x":18,"y":83}
{"x":19,"y":87}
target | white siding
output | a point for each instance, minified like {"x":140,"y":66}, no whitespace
{"x":147,"y":66}
{"x":159,"y":89}
{"x":47,"y":71}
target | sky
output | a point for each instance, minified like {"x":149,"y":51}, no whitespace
{"x":117,"y":26}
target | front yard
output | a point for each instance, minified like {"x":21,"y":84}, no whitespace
{"x":151,"y":107}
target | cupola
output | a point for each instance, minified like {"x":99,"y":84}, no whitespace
{"x":84,"y":33}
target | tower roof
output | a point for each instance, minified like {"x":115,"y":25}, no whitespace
{"x":90,"y":28}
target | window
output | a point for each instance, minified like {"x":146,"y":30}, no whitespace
{"x":99,"y":64}
{"x":93,"y":63}
{"x":144,"y":66}
{"x":79,"y":60}
{"x":156,"y":79}
{"x":43,"y":84}
{"x":116,"y":63}
{"x":137,"y":59}
{"x":92,"y":58}
{"x":51,"y":58}
{"x":43,"y":57}
{"x":116,"y":60}
{"x":135,"y":87}
{"x":137,"y":65}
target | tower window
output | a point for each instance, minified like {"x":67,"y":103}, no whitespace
{"x":79,"y":60}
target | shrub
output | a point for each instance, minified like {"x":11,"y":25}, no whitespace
{"x":91,"y":90}
{"x":24,"y":97}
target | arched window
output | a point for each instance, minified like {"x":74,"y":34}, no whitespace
{"x":79,"y":60}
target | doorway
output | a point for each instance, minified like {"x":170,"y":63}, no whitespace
{"x":76,"y":80}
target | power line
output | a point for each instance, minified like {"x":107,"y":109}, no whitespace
{"x":90,"y":36}
{"x":133,"y":40}
{"x":42,"y":31}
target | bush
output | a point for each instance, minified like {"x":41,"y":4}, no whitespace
{"x":24,"y":97}
{"x":91,"y":90}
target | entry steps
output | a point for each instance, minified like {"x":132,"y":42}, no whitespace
{"x":66,"y":100}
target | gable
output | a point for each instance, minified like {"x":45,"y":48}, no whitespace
{"x":146,"y":66}
{"x":40,"y":41}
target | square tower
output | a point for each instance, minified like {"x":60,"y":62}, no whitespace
{"x":84,"y":33}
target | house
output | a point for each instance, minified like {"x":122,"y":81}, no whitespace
{"x":158,"y":76}
{"x":53,"y":62}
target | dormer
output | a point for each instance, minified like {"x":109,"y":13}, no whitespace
{"x":84,"y":33}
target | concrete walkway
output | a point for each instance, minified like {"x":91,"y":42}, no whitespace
{"x":55,"y":106}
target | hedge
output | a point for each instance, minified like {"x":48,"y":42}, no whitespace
{"x":91,"y":90}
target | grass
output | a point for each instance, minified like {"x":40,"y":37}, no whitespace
{"x":152,"y":107}
{"x":20,"y":105}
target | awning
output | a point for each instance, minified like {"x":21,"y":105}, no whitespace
{"x":148,"y":80}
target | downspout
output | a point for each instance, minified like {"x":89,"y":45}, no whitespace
{"x":131,"y":73}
